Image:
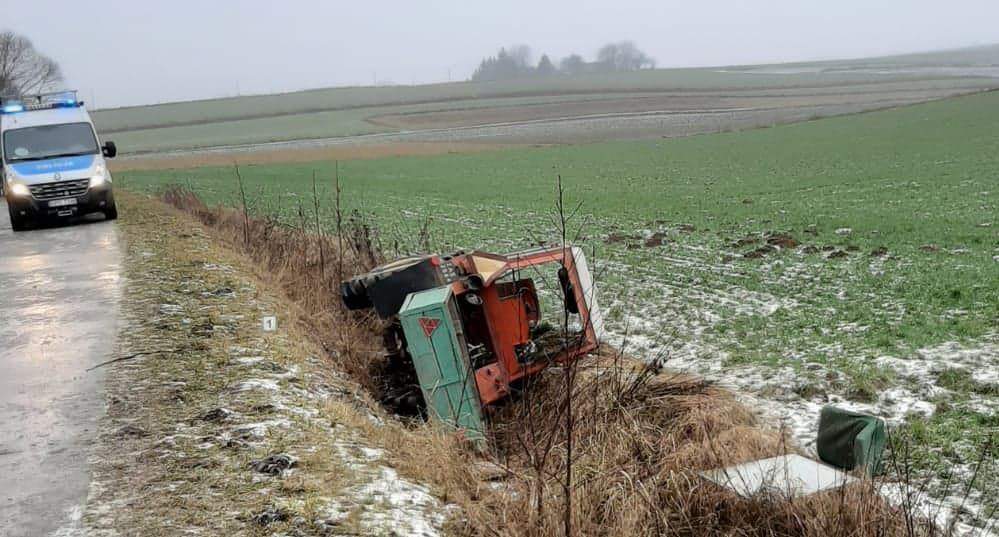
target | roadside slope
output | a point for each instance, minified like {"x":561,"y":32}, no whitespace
{"x":216,"y":427}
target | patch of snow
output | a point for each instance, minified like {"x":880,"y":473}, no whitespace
{"x":897,"y":403}
{"x":171,"y":440}
{"x":259,"y":429}
{"x":387,"y":503}
{"x":218,"y":267}
{"x":290,"y":372}
{"x":295,"y":409}
{"x":981,"y":360}
{"x":941,"y":512}
{"x":356,"y":456}
{"x":257,"y":384}
{"x":72,"y":526}
{"x":250,"y":360}
{"x":171,"y":309}
{"x":852,"y":328}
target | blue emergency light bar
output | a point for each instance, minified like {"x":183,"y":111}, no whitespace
{"x":44,"y":101}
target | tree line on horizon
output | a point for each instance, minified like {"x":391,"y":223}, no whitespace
{"x":516,"y":62}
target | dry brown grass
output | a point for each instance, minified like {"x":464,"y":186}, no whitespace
{"x":640,"y":435}
{"x":639,"y":445}
{"x":306,"y":267}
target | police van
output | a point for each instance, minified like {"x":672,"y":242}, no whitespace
{"x":53,"y":162}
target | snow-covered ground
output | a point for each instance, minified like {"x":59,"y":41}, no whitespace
{"x":675,"y":316}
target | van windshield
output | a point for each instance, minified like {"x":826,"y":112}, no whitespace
{"x":49,"y":141}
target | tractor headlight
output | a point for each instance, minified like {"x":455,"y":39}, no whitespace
{"x":18,"y":189}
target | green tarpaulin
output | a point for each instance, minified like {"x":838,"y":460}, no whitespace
{"x":850,"y":440}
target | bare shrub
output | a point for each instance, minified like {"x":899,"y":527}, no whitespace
{"x":293,"y":258}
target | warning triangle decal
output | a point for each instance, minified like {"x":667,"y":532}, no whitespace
{"x":429,"y":324}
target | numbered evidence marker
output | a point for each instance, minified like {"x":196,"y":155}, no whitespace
{"x":270,"y":323}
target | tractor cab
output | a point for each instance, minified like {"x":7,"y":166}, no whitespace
{"x":468,"y":328}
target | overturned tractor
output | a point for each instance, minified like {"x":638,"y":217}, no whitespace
{"x":467,"y":329}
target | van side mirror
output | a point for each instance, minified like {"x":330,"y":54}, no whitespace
{"x":109,"y":149}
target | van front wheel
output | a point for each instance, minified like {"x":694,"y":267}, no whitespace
{"x":112,"y":212}
{"x":17,"y":222}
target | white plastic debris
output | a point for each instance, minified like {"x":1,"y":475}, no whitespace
{"x":787,"y":476}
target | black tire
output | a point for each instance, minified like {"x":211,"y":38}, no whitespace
{"x":112,"y":212}
{"x":17,"y":223}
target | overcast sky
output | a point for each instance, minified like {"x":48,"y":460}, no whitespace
{"x":122,"y":52}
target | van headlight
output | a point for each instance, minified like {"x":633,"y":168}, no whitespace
{"x":100,"y":176}
{"x":18,"y":189}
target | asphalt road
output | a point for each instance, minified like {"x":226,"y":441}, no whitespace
{"x":59,"y":296}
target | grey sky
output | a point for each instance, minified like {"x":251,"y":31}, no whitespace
{"x":129,"y":52}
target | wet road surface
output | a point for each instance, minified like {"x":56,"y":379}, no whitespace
{"x":59,"y":295}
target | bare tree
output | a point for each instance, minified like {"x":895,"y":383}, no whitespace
{"x":623,"y":56}
{"x":521,"y":56}
{"x":545,"y":66}
{"x":573,"y":64}
{"x":509,"y":63}
{"x":23,"y":69}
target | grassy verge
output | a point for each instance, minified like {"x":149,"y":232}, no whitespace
{"x":217,"y":427}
